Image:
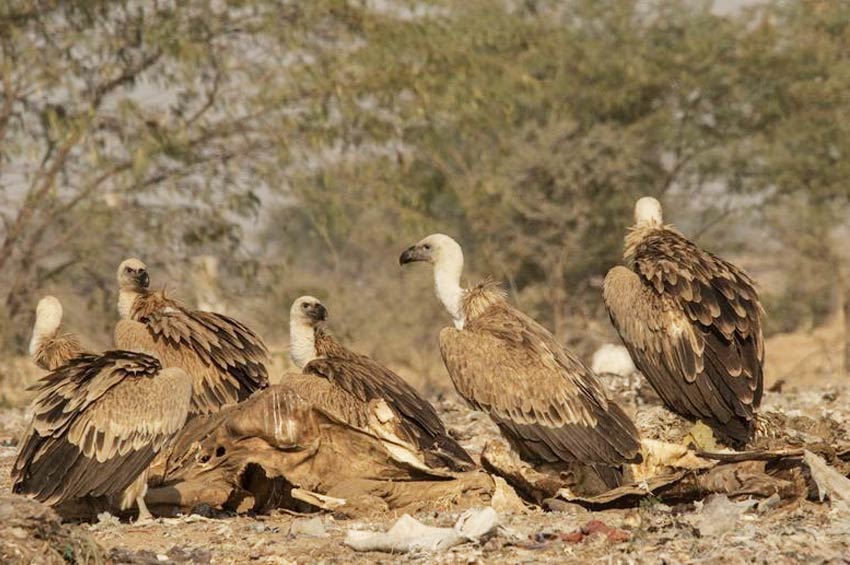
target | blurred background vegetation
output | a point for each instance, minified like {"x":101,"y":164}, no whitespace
{"x":251,"y":152}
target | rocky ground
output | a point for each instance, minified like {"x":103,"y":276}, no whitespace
{"x":709,"y":531}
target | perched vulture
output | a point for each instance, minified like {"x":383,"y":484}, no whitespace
{"x":225,"y":359}
{"x":692,"y":323}
{"x":345,"y":383}
{"x":545,"y":401}
{"x":98,"y":422}
{"x":50,"y":349}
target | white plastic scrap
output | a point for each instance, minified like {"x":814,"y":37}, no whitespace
{"x":718,"y":515}
{"x":410,"y":535}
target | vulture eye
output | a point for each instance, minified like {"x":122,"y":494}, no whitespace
{"x":128,"y":270}
{"x":427,"y":247}
{"x":304,"y":306}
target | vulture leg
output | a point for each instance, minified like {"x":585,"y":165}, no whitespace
{"x":144,"y":514}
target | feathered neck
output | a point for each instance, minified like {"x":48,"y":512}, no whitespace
{"x":479,"y":298}
{"x":447,"y":272}
{"x":46,"y":327}
{"x":126,"y":300}
{"x":139,"y":304}
{"x":636,"y":234}
{"x":302,"y":342}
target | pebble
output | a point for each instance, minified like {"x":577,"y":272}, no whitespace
{"x":312,"y":527}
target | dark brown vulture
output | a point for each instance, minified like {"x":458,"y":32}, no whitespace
{"x":226,"y":360}
{"x":692,"y":323}
{"x":345,"y":383}
{"x":98,"y":422}
{"x":545,"y":401}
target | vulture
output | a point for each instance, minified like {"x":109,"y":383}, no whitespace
{"x":346,"y":383}
{"x":692,"y":322}
{"x":50,"y":349}
{"x":546,"y":402}
{"x":98,"y":422}
{"x":225,"y":360}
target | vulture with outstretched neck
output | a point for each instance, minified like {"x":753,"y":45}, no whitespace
{"x":98,"y":421}
{"x":692,"y":323}
{"x":345,"y":383}
{"x":226,"y":360}
{"x":546,"y":402}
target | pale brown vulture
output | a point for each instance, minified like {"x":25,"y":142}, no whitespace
{"x":545,"y":401}
{"x":50,"y":349}
{"x":692,"y":323}
{"x":98,"y":422}
{"x":345,"y":383}
{"x":226,"y":360}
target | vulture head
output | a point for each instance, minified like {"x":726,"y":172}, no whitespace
{"x":305,"y":314}
{"x":308,"y":311}
{"x":446,"y":256}
{"x":48,"y":317}
{"x":133,"y":275}
{"x":438,"y":249}
{"x":648,"y":212}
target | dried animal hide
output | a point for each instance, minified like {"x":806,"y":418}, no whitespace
{"x":253,"y":454}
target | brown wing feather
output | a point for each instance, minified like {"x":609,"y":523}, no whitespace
{"x":544,"y":400}
{"x":364,"y":379}
{"x":226,"y":360}
{"x":693,"y":325}
{"x":325,"y":395}
{"x":98,"y":422}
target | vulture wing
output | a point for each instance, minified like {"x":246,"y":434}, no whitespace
{"x":98,"y":423}
{"x":226,"y":360}
{"x":547,"y":403}
{"x":692,"y":323}
{"x":364,"y":380}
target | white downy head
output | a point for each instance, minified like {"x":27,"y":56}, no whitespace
{"x":48,"y":317}
{"x":446,"y":257}
{"x":648,"y":212}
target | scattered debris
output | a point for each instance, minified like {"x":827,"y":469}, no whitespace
{"x":718,"y":515}
{"x":505,"y":499}
{"x":197,"y":555}
{"x":702,"y":438}
{"x":410,"y":535}
{"x":769,"y":503}
{"x":122,"y":556}
{"x":829,"y":482}
{"x":614,"y":535}
{"x":313,"y":527}
{"x":107,"y":520}
{"x":31,"y":532}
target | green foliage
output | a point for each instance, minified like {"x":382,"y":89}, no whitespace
{"x":309,"y":142}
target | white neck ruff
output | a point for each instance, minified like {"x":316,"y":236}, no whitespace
{"x":302,"y":343}
{"x":126,"y":298}
{"x":447,"y":273}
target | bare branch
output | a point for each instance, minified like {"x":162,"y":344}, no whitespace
{"x":41,"y":184}
{"x":127,"y":75}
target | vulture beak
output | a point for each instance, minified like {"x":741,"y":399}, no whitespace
{"x":412,"y":254}
{"x":318,"y":313}
{"x":142,"y":279}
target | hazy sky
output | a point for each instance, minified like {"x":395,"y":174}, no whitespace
{"x":727,"y":6}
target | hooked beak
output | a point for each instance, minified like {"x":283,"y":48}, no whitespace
{"x":318,"y":313}
{"x":143,"y":280}
{"x":412,"y":254}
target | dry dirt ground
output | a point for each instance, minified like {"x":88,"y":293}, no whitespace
{"x":711,"y":531}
